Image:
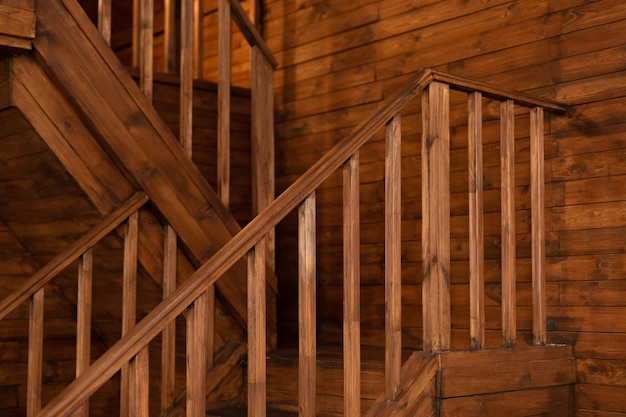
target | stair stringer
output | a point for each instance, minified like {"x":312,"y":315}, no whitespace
{"x":417,"y":390}
{"x":133,"y":135}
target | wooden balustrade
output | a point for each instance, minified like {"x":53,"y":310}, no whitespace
{"x":189,"y":296}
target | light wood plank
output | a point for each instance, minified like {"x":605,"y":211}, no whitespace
{"x":476,"y":222}
{"x":537,"y":175}
{"x":393,"y":261}
{"x":351,"y":288}
{"x":83,"y":317}
{"x":223,"y":101}
{"x":507,"y":157}
{"x":129,"y":304}
{"x":307,"y":307}
{"x":257,"y":384}
{"x":104,"y":19}
{"x":196,"y":357}
{"x":35,"y":353}
{"x":436,"y":217}
{"x":168,"y":349}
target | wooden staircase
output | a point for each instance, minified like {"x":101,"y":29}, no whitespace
{"x":140,"y":197}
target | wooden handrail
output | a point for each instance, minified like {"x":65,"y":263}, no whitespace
{"x":250,"y":31}
{"x":61,"y":261}
{"x":152,"y":325}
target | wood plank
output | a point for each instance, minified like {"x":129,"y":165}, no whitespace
{"x":307,"y":321}
{"x":223,"y":91}
{"x":393,"y":261}
{"x":508,"y":223}
{"x":35,"y":353}
{"x":553,"y":402}
{"x":351,"y":285}
{"x":83,"y":314}
{"x":168,"y":349}
{"x":257,"y":384}
{"x":104,"y":19}
{"x":476,"y":221}
{"x":537,"y":173}
{"x":169,"y":33}
{"x":196,"y":358}
{"x":436,"y":218}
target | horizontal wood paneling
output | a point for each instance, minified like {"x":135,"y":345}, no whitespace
{"x":568,"y":50}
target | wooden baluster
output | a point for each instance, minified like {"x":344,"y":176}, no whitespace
{"x":537,"y":178}
{"x":83,"y":328}
{"x":35,"y":353}
{"x":104,"y":19}
{"x":436,"y":217}
{"x":476,"y":222}
{"x":351,"y":288}
{"x":223,"y":101}
{"x":168,"y":349}
{"x":186,"y":137}
{"x":140,"y":403}
{"x":198,"y":42}
{"x":170,"y":60}
{"x":307,"y":303}
{"x":507,"y":158}
{"x":262,"y":91}
{"x":129,"y":304}
{"x":393,"y":262}
{"x":257,"y":330}
{"x":145,"y":33}
{"x":196,"y":357}
{"x":186,"y":75}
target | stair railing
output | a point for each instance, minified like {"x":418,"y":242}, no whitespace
{"x":345,"y":155}
{"x":33,"y":291}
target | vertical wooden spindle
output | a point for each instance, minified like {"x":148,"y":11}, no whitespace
{"x":83,"y":328}
{"x":507,"y":158}
{"x":257,"y":330}
{"x":262,"y":92}
{"x":307,"y":305}
{"x":104,"y":20}
{"x":351,"y":288}
{"x":393,"y":263}
{"x":139,"y":385}
{"x":198,"y":42}
{"x":186,"y":75}
{"x":476,"y":222}
{"x":537,"y":178}
{"x":129,"y":303}
{"x":168,"y":350}
{"x":35,"y":353}
{"x":169,"y":34}
{"x":436,"y":217}
{"x":223,"y":101}
{"x":145,"y":46}
{"x":196,"y":357}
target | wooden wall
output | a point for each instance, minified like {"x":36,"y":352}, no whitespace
{"x":338,"y":60}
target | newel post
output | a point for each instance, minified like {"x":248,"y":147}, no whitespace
{"x":436,"y":217}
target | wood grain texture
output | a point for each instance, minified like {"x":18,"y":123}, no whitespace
{"x":307,"y":321}
{"x":35,"y":353}
{"x":393,"y":261}
{"x":257,"y":383}
{"x":507,"y":151}
{"x":476,"y":221}
{"x":223,"y":101}
{"x":351,"y":288}
{"x":436,"y":218}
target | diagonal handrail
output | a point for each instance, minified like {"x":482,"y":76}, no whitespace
{"x":137,"y":338}
{"x":61,"y":261}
